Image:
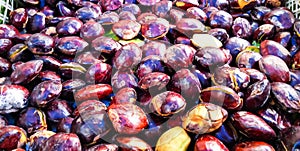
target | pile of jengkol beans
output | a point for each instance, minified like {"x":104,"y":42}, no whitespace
{"x":108,"y":75}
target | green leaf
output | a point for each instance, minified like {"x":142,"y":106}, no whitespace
{"x":112,"y":35}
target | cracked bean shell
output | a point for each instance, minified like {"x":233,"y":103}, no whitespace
{"x":175,"y":138}
{"x":204,"y":118}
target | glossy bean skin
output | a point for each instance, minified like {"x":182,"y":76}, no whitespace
{"x":88,"y":107}
{"x":253,"y":145}
{"x":125,"y":95}
{"x":197,"y":13}
{"x":111,"y":5}
{"x":108,"y":18}
{"x":12,"y":137}
{"x":275,"y":68}
{"x":50,"y":62}
{"x":5,"y":45}
{"x":88,"y":58}
{"x":60,"y":141}
{"x":91,"y":122}
{"x":69,"y":87}
{"x":57,"y":109}
{"x":36,"y":23}
{"x":97,"y":91}
{"x":283,"y":38}
{"x":127,"y":57}
{"x":279,"y":13}
{"x":167,"y":103}
{"x":32,"y":120}
{"x":26,"y":72}
{"x":252,"y":126}
{"x":198,"y":121}
{"x":105,"y":45}
{"x":259,"y":12}
{"x":189,"y":26}
{"x":185,"y":83}
{"x":208,"y":142}
{"x":65,"y":124}
{"x":263,"y":32}
{"x":257,"y":95}
{"x":91,"y":30}
{"x":3,"y":121}
{"x":220,"y":33}
{"x":36,"y":140}
{"x":286,"y":96}
{"x":126,"y":29}
{"x":221,"y":57}
{"x":231,"y":77}
{"x":63,"y":9}
{"x":235,"y":45}
{"x":45,"y":92}
{"x":70,"y":26}
{"x":151,"y":64}
{"x":49,"y":75}
{"x":99,"y":73}
{"x":89,"y":11}
{"x":123,"y":79}
{"x":132,"y":143}
{"x":19,"y":17}
{"x":5,"y":66}
{"x":227,"y":134}
{"x":103,"y":147}
{"x":270,"y":47}
{"x":10,"y":102}
{"x":179,"y":56}
{"x":241,"y":27}
{"x":71,"y":70}
{"x":248,"y":59}
{"x":40,"y":44}
{"x":255,"y":75}
{"x":290,"y":137}
{"x":8,"y":31}
{"x":275,"y":119}
{"x":125,"y":124}
{"x":222,"y":96}
{"x":19,"y":52}
{"x":221,"y":19}
{"x":154,"y":81}
{"x":71,"y":45}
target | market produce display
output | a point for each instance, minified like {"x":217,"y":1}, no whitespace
{"x":130,"y":75}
